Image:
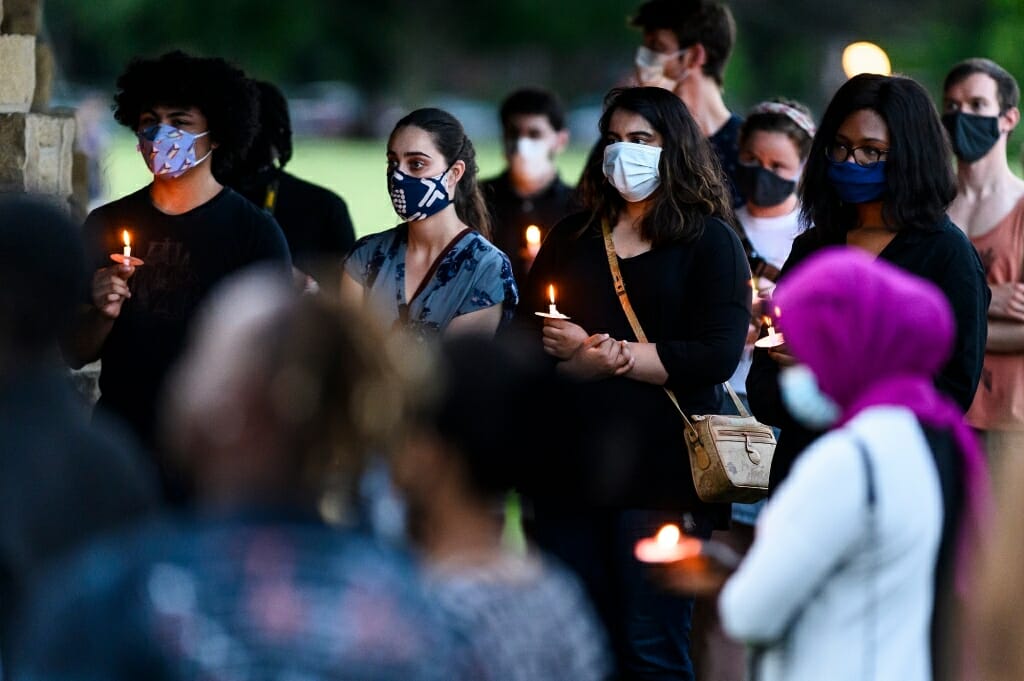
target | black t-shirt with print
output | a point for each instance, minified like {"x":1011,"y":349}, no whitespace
{"x":184,"y":257}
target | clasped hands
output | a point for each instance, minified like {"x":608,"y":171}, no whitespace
{"x":586,"y":355}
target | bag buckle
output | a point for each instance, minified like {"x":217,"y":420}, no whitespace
{"x":752,"y":453}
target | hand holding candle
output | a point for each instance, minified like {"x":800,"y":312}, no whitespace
{"x":773,"y":339}
{"x":686,"y":564}
{"x":667,"y":546}
{"x":552,"y":312}
{"x":125,"y":258}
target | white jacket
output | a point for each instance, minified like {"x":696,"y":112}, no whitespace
{"x":831,"y":596}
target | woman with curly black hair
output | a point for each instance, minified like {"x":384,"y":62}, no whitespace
{"x":655,"y":203}
{"x":193,"y":116}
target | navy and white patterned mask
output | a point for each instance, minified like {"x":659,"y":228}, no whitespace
{"x":416,"y":198}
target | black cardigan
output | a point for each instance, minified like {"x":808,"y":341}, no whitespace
{"x":693,"y":301}
{"x":942,"y":255}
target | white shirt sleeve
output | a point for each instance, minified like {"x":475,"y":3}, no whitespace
{"x":812,"y":524}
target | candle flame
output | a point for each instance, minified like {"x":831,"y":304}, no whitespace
{"x":127,"y":238}
{"x":533,"y":235}
{"x":767,"y":321}
{"x":551,"y":293}
{"x":668,"y":535}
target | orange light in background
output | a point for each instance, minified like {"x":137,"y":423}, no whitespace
{"x":865,"y":57}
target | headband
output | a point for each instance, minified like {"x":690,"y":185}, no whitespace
{"x":802,"y":120}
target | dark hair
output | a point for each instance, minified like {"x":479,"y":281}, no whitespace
{"x":221,"y":91}
{"x":274,"y":139}
{"x":919,"y":177}
{"x":771,"y":121}
{"x":43,"y":273}
{"x":451,"y":140}
{"x":487,"y":389}
{"x":530,"y":101}
{"x":1007,"y":89}
{"x":710,"y":24}
{"x":692,"y":183}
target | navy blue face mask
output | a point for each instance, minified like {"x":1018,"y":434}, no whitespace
{"x":857,"y":184}
{"x":416,"y":198}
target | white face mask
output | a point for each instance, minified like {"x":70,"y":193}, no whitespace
{"x":632,"y":169}
{"x":804,"y":399}
{"x":650,"y":67}
{"x":531,"y":160}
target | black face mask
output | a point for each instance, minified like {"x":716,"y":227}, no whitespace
{"x":972,"y":136}
{"x":763,"y":187}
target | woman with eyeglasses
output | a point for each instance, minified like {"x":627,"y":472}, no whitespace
{"x":879,"y":178}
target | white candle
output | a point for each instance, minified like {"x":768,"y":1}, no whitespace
{"x":127,"y":246}
{"x":532,"y":240}
{"x":551,"y":294}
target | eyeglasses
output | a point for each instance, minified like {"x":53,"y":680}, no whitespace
{"x":862,"y":156}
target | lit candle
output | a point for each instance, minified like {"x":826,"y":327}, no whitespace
{"x":552,"y":312}
{"x":127,"y":246}
{"x":753,"y":289}
{"x":667,"y":546}
{"x":532,"y":241}
{"x":773,"y":339}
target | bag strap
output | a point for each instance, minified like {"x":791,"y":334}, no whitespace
{"x":627,"y":307}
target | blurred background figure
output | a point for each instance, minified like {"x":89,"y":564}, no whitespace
{"x":527,"y":616}
{"x":315,"y":220}
{"x":63,"y":480}
{"x":686,"y":47}
{"x":529,"y":193}
{"x":274,"y":410}
{"x":437,"y":272}
{"x":93,"y":138}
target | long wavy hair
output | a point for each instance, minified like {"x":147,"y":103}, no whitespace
{"x":451,"y":140}
{"x":692,"y":183}
{"x":919,"y":177}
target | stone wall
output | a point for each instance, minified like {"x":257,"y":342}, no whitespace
{"x":36,"y":142}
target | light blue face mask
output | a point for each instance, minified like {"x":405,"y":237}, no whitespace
{"x":804,"y":399}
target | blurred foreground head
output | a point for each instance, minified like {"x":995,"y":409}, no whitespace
{"x":495,"y":417}
{"x":42,"y":274}
{"x":280,"y":398}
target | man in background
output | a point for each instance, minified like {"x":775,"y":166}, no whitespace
{"x":686,"y":47}
{"x":980,"y":100}
{"x":529,"y":192}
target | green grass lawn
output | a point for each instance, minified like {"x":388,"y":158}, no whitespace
{"x":352,"y":168}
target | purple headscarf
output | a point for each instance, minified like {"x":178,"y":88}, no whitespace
{"x":874,"y":334}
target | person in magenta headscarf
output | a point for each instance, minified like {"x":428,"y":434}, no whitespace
{"x":868,"y":533}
